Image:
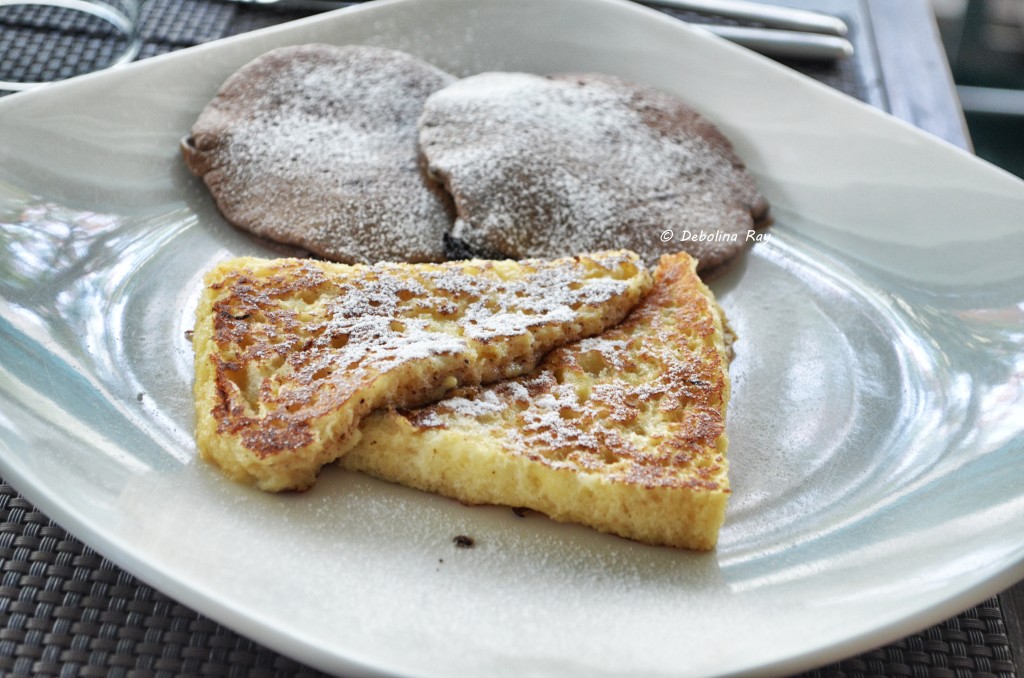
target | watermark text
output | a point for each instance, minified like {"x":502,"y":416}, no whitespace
{"x":668,"y":235}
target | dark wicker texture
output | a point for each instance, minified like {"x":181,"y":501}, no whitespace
{"x":66,"y":611}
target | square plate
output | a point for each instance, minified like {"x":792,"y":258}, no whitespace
{"x":876,"y":437}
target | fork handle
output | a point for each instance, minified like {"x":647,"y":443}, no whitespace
{"x":770,"y":15}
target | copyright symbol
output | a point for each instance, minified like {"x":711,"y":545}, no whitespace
{"x":666,"y":235}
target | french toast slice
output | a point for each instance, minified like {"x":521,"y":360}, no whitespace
{"x":624,"y":432}
{"x":291,"y":354}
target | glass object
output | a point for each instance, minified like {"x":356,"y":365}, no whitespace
{"x":43,"y":41}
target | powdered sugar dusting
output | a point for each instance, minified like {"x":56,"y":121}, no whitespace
{"x":484,"y":405}
{"x":643,"y":402}
{"x":345,"y":326}
{"x":316,"y":146}
{"x":391,"y":316}
{"x":549,"y":166}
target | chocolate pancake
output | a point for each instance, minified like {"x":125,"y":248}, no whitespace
{"x":547,"y":166}
{"x":315,"y":146}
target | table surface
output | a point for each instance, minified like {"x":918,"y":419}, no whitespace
{"x":65,"y":610}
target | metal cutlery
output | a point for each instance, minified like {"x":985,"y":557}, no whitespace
{"x":785,"y":44}
{"x":783,"y":18}
{"x":781,"y":32}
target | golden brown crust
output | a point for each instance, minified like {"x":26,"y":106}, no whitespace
{"x":291,"y":354}
{"x":624,"y":432}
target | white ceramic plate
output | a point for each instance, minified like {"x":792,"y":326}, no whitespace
{"x":876,"y":437}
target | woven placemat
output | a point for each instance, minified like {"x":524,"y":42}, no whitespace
{"x":41,"y":43}
{"x":67,"y":611}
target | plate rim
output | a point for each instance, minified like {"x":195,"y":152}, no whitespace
{"x":120,"y":553}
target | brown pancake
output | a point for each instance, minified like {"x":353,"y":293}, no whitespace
{"x":546,"y":166}
{"x":315,"y":146}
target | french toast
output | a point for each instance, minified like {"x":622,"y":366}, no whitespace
{"x":624,"y":432}
{"x":291,"y":354}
